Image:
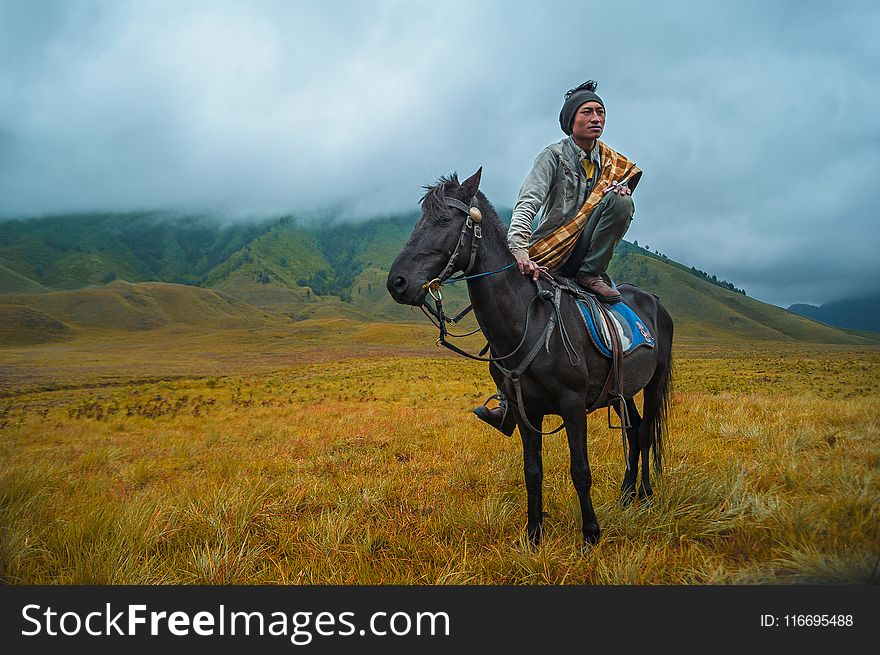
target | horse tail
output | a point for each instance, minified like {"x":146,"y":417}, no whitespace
{"x":660,"y":426}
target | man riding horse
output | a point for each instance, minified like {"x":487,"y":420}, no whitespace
{"x":543,"y":352}
{"x":579,"y":227}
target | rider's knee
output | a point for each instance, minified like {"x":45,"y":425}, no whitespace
{"x":622,"y":207}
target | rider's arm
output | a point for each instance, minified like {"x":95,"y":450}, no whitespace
{"x":531,"y":197}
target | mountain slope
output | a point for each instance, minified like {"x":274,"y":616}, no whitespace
{"x":352,"y":248}
{"x":857,"y":312}
{"x":14,"y":282}
{"x":132,"y":307}
{"x":24,"y":326}
{"x":702,"y":309}
{"x":282,"y":270}
{"x":78,"y":250}
{"x":307,"y":271}
{"x":699,"y":307}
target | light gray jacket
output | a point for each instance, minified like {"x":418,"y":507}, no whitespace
{"x":557,"y":186}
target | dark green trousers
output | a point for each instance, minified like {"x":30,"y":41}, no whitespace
{"x":605,"y":227}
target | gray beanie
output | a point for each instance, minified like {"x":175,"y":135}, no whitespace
{"x":573,"y":100}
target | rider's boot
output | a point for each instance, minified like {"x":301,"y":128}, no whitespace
{"x":499,"y":417}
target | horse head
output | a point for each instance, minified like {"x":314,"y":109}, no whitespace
{"x":441,"y":242}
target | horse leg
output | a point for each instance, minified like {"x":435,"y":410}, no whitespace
{"x":653,"y":405}
{"x":575,"y":418}
{"x":533,"y":468}
{"x":628,"y":488}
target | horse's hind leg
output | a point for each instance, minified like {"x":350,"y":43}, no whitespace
{"x":628,"y":488}
{"x":653,"y":405}
{"x":533,"y":468}
{"x":575,"y":418}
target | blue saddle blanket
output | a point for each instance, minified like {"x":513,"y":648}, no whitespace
{"x":630,"y":328}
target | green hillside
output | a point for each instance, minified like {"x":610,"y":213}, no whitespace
{"x":282,"y":270}
{"x":700,"y":305}
{"x":627,"y":248}
{"x":353,"y":248}
{"x":362,"y":254}
{"x":304,"y":271}
{"x":285,"y":253}
{"x":78,"y":250}
{"x":128,"y":307}
{"x":703,"y":309}
{"x":24,"y":326}
{"x":13,"y":282}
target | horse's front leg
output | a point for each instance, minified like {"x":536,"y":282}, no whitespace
{"x":533,"y":468}
{"x":575,"y":417}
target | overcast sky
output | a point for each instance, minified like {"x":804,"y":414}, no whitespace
{"x":755,"y":123}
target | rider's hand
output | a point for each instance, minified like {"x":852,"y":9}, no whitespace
{"x":622,"y":190}
{"x":527,"y":267}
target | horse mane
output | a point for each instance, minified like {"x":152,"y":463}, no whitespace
{"x":434,"y":201}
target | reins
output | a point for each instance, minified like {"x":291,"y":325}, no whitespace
{"x":472,"y":224}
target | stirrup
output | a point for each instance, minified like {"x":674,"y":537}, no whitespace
{"x":502,"y":403}
{"x":506,"y":425}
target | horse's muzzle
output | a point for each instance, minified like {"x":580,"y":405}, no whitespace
{"x":403,"y":291}
{"x":397,"y":286}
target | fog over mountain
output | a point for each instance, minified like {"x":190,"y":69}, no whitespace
{"x":752,"y":121}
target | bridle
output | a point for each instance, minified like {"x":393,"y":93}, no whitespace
{"x":471,"y":224}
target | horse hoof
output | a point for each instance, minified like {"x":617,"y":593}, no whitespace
{"x":591,"y":536}
{"x":534,"y":535}
{"x":627,"y":496}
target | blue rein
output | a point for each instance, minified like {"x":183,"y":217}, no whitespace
{"x":461,"y":277}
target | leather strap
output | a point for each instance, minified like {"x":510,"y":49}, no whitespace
{"x":614,"y":382}
{"x":469,"y":225}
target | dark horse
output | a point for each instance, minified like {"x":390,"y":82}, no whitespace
{"x":439,"y":244}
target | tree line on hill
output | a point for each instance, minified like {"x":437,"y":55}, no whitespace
{"x":693,"y":270}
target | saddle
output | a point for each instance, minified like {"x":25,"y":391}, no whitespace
{"x":619,"y":317}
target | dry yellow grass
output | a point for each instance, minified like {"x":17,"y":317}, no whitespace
{"x":301,"y":461}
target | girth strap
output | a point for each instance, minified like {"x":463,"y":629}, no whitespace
{"x":613,"y":387}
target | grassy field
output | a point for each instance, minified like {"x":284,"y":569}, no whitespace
{"x":328,"y":453}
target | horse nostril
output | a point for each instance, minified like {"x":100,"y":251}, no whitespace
{"x":399,"y":284}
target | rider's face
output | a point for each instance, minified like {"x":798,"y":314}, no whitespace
{"x":589,"y":121}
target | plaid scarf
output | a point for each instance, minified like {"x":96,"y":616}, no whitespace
{"x":553,"y":250}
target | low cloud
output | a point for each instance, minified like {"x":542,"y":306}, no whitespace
{"x":753,"y":122}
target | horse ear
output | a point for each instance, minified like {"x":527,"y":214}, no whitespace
{"x":471,"y":185}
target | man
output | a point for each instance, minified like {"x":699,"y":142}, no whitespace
{"x":583,"y":190}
